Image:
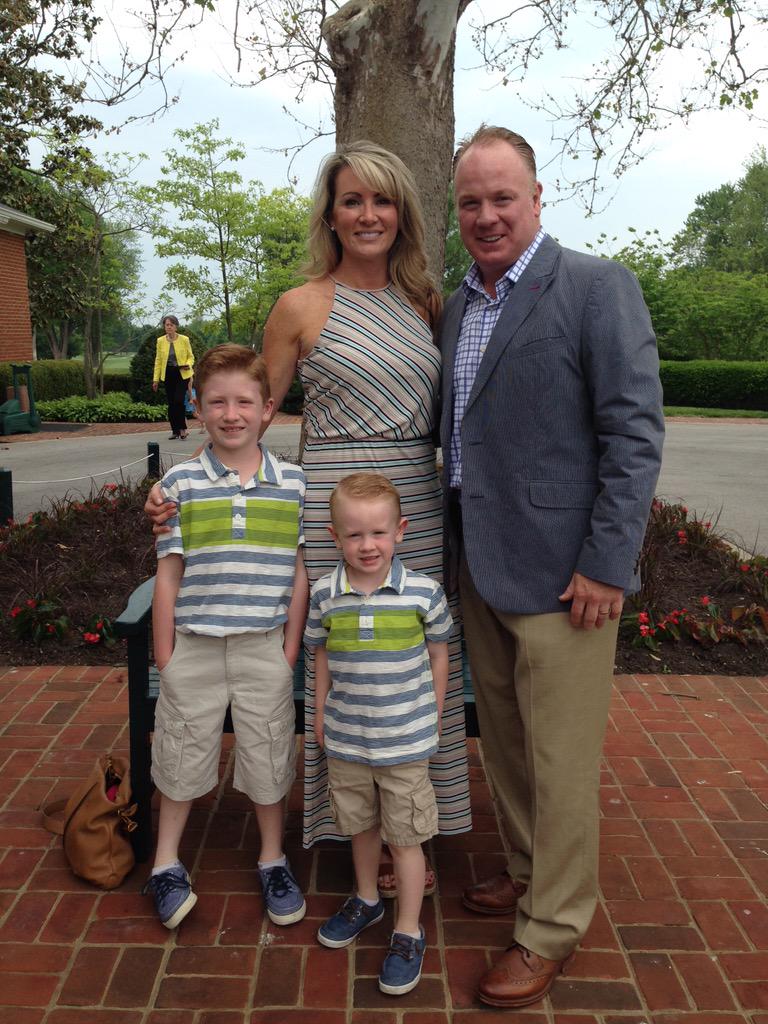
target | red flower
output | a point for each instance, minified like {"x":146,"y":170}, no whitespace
{"x":51,"y":628}
{"x":682,"y":537}
{"x":705,"y":600}
{"x":31,"y":603}
{"x":110,"y":487}
{"x":645,"y":630}
{"x":684,"y":510}
{"x":15,"y":611}
{"x":744,"y":568}
{"x":91,"y":638}
{"x":708,"y":525}
{"x":644,"y":618}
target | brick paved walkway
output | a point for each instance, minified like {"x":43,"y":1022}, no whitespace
{"x":680,"y":935}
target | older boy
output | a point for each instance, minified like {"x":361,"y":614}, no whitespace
{"x":229,"y":609}
{"x":381,"y":634}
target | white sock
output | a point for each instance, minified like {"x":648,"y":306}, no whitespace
{"x":281,"y":862}
{"x":409,"y":934}
{"x":166,"y":867}
{"x":368,"y":903}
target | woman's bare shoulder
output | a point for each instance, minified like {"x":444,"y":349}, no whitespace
{"x":308,"y":295}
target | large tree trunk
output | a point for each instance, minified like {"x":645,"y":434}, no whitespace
{"x":393,"y":61}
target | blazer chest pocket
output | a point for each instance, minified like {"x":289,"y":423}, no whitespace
{"x":562,"y":494}
{"x":528,"y":348}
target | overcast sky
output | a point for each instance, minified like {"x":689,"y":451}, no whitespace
{"x":682,"y":162}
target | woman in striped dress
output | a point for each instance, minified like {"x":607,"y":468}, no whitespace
{"x":360,"y":333}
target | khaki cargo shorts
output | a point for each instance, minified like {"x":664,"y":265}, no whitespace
{"x":398,"y":797}
{"x":247,"y":671}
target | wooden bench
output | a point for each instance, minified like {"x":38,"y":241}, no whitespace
{"x":135,"y":624}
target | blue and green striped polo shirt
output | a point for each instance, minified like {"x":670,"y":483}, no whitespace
{"x":381,"y":708}
{"x":238,"y":542}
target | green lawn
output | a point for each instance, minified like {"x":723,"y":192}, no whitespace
{"x":115,"y":364}
{"x":736,"y":414}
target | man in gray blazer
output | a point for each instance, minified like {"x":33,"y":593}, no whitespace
{"x":552,"y":432}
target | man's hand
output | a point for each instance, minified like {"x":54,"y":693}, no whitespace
{"x":593,"y":602}
{"x":159,"y":511}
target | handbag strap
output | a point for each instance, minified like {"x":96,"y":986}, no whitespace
{"x":53,"y":816}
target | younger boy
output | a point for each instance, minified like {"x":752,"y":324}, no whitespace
{"x":381,"y":664}
{"x":228,"y":614}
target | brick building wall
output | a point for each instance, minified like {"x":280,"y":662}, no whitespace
{"x":15,"y":324}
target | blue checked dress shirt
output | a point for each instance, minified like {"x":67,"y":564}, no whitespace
{"x":480,"y":315}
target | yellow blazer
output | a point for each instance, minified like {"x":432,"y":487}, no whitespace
{"x":184,"y":356}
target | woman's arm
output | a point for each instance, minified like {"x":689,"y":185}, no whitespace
{"x":282,"y":345}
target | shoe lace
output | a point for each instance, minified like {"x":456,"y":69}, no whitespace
{"x":352,"y":909}
{"x":400,"y":945}
{"x":279,"y":882}
{"x":165,"y":883}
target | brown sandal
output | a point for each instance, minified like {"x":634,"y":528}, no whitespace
{"x":387,"y":883}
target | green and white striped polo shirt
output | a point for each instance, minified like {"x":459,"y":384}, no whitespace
{"x":238,"y":542}
{"x":381,"y":708}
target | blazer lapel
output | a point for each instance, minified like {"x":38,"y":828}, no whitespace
{"x":536,"y":278}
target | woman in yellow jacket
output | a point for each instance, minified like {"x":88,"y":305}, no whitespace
{"x":174,"y":360}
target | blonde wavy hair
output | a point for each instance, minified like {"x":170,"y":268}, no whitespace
{"x":385,"y":173}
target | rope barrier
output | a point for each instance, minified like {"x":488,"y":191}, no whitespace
{"x":75,"y":479}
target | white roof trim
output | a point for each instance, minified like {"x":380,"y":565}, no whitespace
{"x":18,"y":223}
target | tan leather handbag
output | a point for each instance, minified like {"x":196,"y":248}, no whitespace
{"x":95,"y":822}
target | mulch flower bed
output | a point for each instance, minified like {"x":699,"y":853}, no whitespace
{"x":67,"y":573}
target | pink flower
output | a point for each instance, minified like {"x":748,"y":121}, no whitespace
{"x":708,"y":525}
{"x":110,"y":487}
{"x":705,"y":600}
{"x":684,"y":510}
{"x":645,"y":630}
{"x":31,"y":603}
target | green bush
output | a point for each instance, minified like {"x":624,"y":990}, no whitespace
{"x":117,"y":382}
{"x":715,"y":384}
{"x":51,"y":378}
{"x":143,"y":366}
{"x":115,"y":407}
{"x":293,"y":403}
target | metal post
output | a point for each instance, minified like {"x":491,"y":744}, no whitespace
{"x":6,"y":496}
{"x":153,"y":460}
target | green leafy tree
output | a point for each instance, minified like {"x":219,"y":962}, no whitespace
{"x":728,"y":227}
{"x":239,"y":246}
{"x":456,"y":259}
{"x":205,"y":211}
{"x":278,"y":232}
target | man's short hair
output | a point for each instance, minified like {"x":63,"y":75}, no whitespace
{"x":232,"y":359}
{"x":364,"y":487}
{"x":486,"y":134}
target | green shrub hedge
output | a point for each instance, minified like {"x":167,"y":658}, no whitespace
{"x":117,"y":382}
{"x":51,"y":378}
{"x":715,"y":384}
{"x":115,"y":407}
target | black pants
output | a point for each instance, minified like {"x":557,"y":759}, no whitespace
{"x":175,"y":389}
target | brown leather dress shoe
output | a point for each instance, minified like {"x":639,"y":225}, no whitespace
{"x":497,"y":895}
{"x":520,"y":978}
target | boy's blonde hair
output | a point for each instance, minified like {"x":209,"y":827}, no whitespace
{"x":364,"y":487}
{"x":232,"y":359}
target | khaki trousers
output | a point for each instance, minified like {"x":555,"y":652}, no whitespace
{"x":542,"y":690}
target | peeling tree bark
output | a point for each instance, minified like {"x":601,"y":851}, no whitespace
{"x":393,"y":61}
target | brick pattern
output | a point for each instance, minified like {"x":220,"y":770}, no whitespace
{"x":680,"y":935}
{"x":15,"y":325}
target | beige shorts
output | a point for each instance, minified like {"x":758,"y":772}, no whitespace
{"x":398,"y":797}
{"x":247,"y":671}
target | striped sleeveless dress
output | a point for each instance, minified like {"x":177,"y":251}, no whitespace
{"x":370,"y":386}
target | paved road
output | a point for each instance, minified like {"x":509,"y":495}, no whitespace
{"x":717,"y":469}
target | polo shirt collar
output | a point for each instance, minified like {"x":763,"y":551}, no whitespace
{"x":395,"y":580}
{"x":269,"y":470}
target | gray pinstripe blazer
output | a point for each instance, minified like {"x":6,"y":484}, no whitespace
{"x":562,"y":436}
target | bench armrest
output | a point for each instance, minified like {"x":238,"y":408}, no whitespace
{"x":134,"y":619}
